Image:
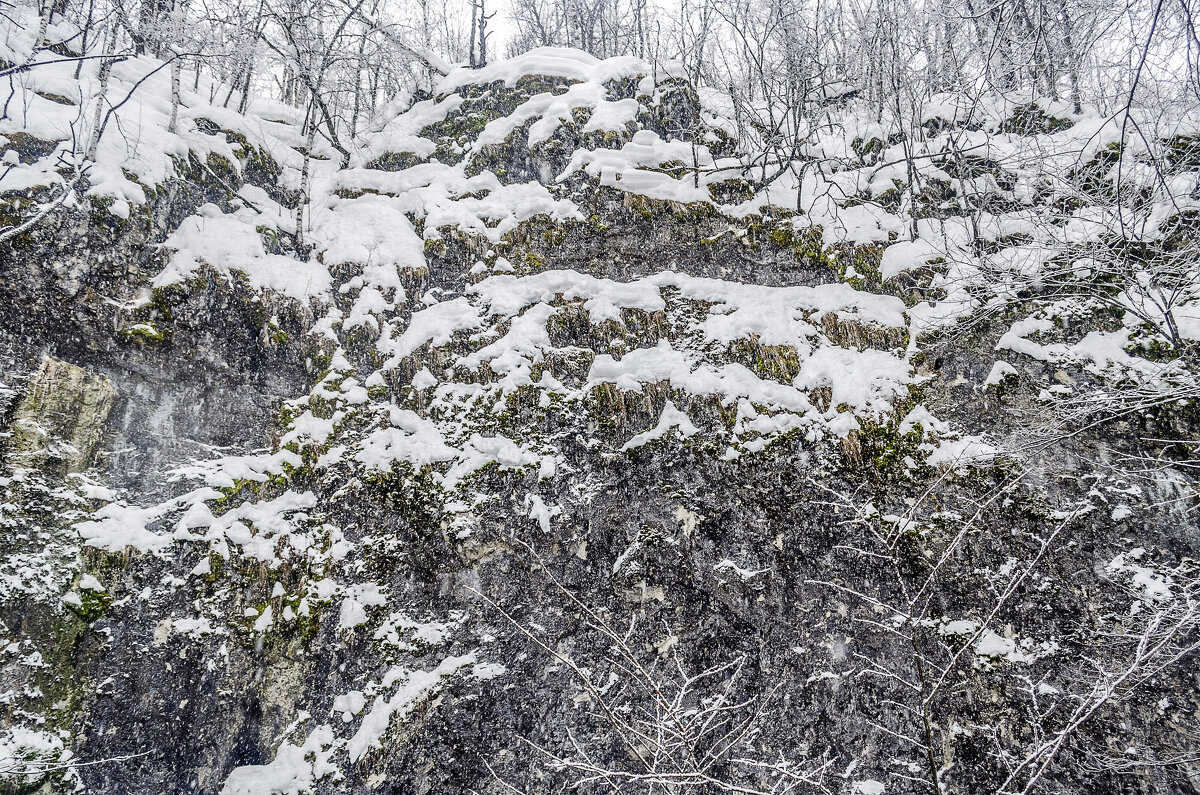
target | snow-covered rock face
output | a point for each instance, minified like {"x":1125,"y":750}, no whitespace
{"x":542,"y":345}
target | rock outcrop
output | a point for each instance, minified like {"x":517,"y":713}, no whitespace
{"x":554,"y":451}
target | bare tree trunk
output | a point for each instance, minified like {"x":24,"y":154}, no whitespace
{"x":148,"y":14}
{"x":105,"y":69}
{"x":639,"y":10}
{"x":233,"y":84}
{"x":40,"y":37}
{"x":356,"y":108}
{"x":174,"y":93}
{"x":375,"y":74}
{"x":1071,"y":55}
{"x":87,"y":29}
{"x":176,"y":20}
{"x":302,"y":201}
{"x":474,"y":12}
{"x":244,"y":103}
{"x":426,"y":41}
{"x":484,"y":18}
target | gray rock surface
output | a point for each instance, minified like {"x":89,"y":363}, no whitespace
{"x":446,"y":636}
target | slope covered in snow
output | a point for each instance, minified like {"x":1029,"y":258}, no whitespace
{"x":545,"y":338}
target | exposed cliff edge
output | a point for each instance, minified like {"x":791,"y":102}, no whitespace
{"x":549,"y":405}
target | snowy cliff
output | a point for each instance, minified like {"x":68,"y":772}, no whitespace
{"x":542,"y":445}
